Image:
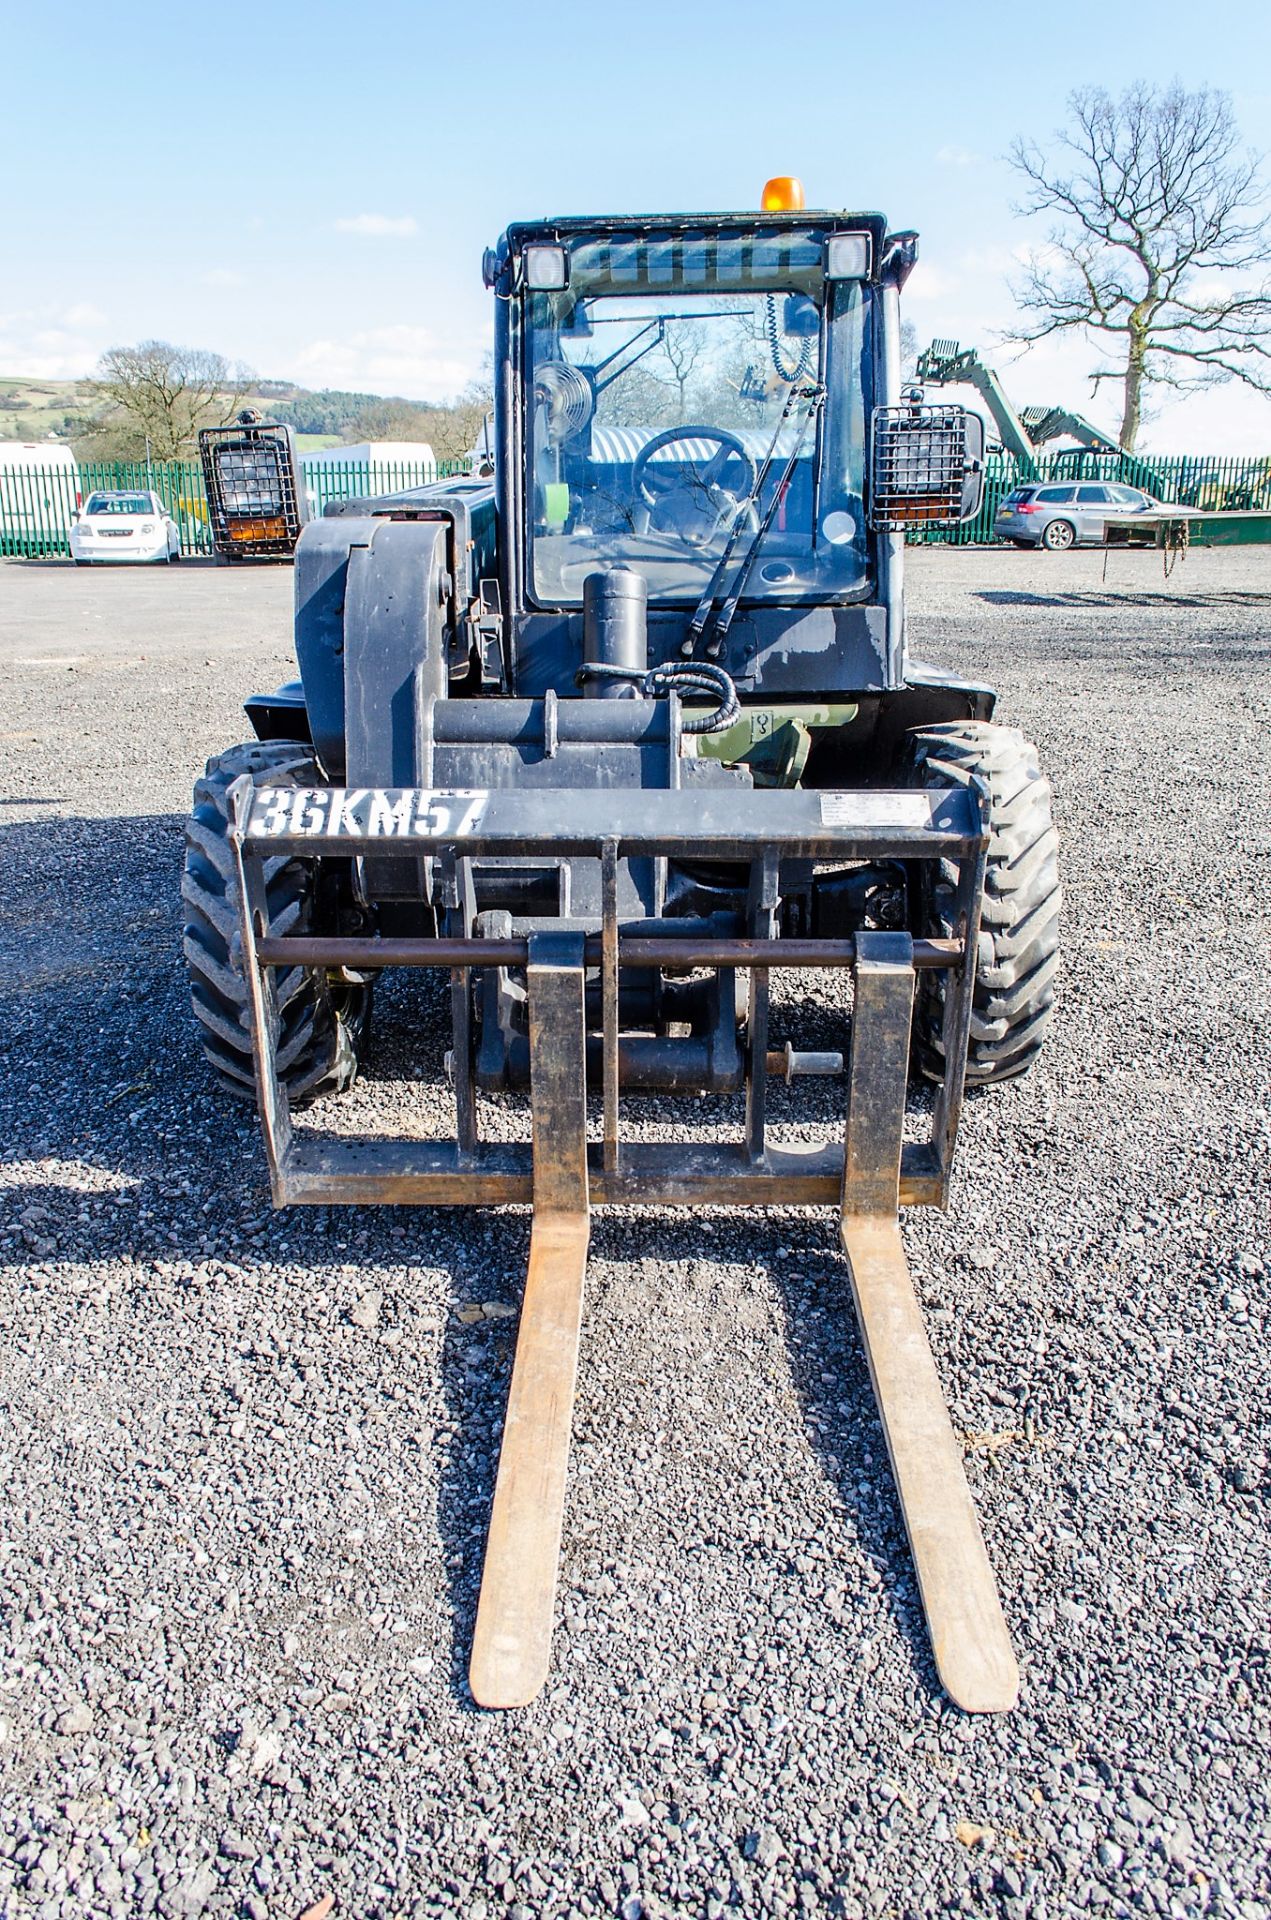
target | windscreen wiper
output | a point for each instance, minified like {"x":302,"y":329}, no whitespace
{"x":814,"y":395}
{"x":656,"y":327}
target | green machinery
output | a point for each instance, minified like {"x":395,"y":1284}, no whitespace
{"x":945,"y":363}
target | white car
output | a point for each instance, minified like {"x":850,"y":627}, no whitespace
{"x":124,"y":525}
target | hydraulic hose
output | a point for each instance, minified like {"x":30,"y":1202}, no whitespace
{"x":682,"y":677}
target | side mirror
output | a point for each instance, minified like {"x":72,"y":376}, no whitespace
{"x":578,"y":326}
{"x":800,"y":317}
{"x":973,"y":473}
{"x":927,"y":466}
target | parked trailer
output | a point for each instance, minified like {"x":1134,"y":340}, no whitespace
{"x":1175,"y":532}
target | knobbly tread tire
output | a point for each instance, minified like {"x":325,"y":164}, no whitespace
{"x":321,"y":1024}
{"x":1018,"y":952}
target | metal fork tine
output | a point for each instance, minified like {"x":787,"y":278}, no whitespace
{"x":511,"y":1650}
{"x":969,"y":1638}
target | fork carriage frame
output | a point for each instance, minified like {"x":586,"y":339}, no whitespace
{"x":563,"y":1175}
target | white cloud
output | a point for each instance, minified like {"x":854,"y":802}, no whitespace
{"x":395,"y":359}
{"x":929,"y":282}
{"x":989,"y":260}
{"x":52,"y":343}
{"x":381,"y":226}
{"x":83,"y":315}
{"x":223,"y":277}
{"x":956,"y":157}
{"x":1228,"y":419}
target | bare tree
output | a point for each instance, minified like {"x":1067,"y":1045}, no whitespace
{"x":639,"y":399}
{"x":1157,"y":208}
{"x":684,"y":346}
{"x":163,"y":394}
{"x":459,"y":429}
{"x":452,"y":428}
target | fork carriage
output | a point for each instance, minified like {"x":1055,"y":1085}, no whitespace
{"x":867,"y":1177}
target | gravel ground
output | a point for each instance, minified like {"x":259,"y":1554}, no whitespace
{"x":247,"y":1457}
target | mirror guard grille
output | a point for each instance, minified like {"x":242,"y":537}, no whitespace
{"x":919,"y":467}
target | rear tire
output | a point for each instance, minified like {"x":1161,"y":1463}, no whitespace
{"x":1018,"y":953}
{"x":323,"y":1020}
{"x":1059,"y":536}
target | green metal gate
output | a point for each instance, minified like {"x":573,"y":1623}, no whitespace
{"x":1217,"y":483}
{"x":38,"y":504}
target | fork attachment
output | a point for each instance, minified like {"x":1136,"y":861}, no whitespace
{"x":867,"y":1178}
{"x":959,"y":1595}
{"x":512,"y":1645}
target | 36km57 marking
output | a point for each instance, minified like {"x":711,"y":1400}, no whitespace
{"x":362,"y":813}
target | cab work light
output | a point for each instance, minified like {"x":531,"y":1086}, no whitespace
{"x":546,"y":269}
{"x":847,"y":256}
{"x":927,"y":468}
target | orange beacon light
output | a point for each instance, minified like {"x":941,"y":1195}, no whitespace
{"x":784,"y":194}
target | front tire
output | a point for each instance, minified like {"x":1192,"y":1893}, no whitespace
{"x":1018,"y":953}
{"x":322,"y":1019}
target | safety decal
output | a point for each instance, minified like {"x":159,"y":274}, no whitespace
{"x":875,"y":809}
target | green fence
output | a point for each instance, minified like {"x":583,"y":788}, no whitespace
{"x":1216,"y":483}
{"x":38,"y":504}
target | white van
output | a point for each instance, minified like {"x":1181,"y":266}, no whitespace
{"x":39,"y":494}
{"x":374,"y":466}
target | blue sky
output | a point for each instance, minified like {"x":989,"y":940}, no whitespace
{"x":308,"y":188}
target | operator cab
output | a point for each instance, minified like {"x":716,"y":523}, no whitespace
{"x":692,"y":390}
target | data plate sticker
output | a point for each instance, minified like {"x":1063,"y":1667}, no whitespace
{"x":875,"y":810}
{"x":366,"y":813}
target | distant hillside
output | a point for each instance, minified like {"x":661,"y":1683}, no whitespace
{"x":327,"y":412}
{"x":34,"y":409}
{"x":67,"y":410}
{"x":64,"y":409}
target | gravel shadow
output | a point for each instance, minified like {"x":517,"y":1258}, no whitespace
{"x":846,"y":1435}
{"x":90,"y":952}
{"x":105,"y":1085}
{"x":1116,"y":598}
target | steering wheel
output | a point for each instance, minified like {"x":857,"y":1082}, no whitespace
{"x":685,"y":499}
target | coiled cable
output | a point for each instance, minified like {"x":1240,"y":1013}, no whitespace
{"x":681,"y":677}
{"x":781,"y":367}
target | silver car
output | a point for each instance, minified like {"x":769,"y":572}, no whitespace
{"x":1074,"y":515}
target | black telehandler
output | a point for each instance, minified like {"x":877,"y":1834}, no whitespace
{"x":607,"y":738}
